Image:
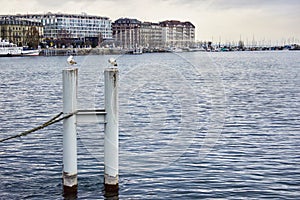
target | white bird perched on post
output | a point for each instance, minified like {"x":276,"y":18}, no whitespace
{"x":113,"y":62}
{"x":71,"y":60}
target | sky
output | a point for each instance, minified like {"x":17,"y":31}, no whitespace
{"x":260,"y":21}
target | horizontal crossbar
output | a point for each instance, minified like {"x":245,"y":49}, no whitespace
{"x":91,"y":116}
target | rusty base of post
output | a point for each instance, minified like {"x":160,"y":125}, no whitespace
{"x":111,"y":192}
{"x":70,"y":192}
{"x":111,"y":188}
{"x":111,"y":183}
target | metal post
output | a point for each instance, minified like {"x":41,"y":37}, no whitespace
{"x":111,"y":130}
{"x":70,"y":82}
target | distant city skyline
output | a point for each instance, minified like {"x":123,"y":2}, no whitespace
{"x":267,"y":21}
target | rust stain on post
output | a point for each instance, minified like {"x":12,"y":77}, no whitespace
{"x":111,"y":131}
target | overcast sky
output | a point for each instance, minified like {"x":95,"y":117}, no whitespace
{"x":224,"y":20}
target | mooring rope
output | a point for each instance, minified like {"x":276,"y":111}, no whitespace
{"x":44,"y":125}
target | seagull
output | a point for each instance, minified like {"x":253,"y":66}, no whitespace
{"x":71,"y":60}
{"x":113,"y":62}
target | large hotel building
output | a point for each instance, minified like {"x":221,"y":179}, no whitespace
{"x":72,"y":25}
{"x":130,"y":33}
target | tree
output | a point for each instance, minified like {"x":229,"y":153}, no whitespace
{"x":64,"y":37}
{"x":32,"y":37}
{"x":100,"y":39}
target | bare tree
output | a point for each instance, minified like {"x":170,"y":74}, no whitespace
{"x":32,"y":37}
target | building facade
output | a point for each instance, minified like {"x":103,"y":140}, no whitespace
{"x":126,"y":32}
{"x":21,"y":32}
{"x":177,"y":34}
{"x":76,"y":26}
{"x":151,"y":35}
{"x":68,"y":29}
{"x":131,"y":33}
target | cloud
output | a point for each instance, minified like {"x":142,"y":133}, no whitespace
{"x":238,"y":4}
{"x":272,"y":19}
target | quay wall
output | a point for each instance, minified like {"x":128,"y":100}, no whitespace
{"x":81,"y":51}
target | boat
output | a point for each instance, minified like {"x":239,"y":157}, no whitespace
{"x":30,"y":52}
{"x":137,"y":51}
{"x":194,"y":49}
{"x":8,"y":49}
{"x":175,"y":50}
{"x":294,"y":47}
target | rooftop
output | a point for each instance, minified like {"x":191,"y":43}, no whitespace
{"x":49,"y":14}
{"x":13,"y":21}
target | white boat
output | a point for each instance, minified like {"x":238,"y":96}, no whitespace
{"x":135,"y":51}
{"x":175,"y":50}
{"x":30,"y":52}
{"x":194,"y":49}
{"x":8,"y":49}
{"x":138,"y":51}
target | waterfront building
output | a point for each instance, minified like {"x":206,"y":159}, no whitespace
{"x":177,"y":34}
{"x":151,"y":35}
{"x":126,"y":33}
{"x":82,"y":27}
{"x":21,"y":32}
{"x":132,"y":33}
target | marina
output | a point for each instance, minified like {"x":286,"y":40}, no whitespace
{"x":193,"y":125}
{"x":119,"y":51}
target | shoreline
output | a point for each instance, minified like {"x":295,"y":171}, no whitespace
{"x":80,"y":51}
{"x":117,"y":51}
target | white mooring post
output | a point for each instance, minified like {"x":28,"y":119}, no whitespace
{"x":108,"y":116}
{"x":111,"y":130}
{"x":70,"y":82}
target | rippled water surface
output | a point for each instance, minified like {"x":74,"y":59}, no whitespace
{"x":192,"y":126}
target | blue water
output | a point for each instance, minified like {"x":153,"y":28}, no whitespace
{"x":192,"y":126}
